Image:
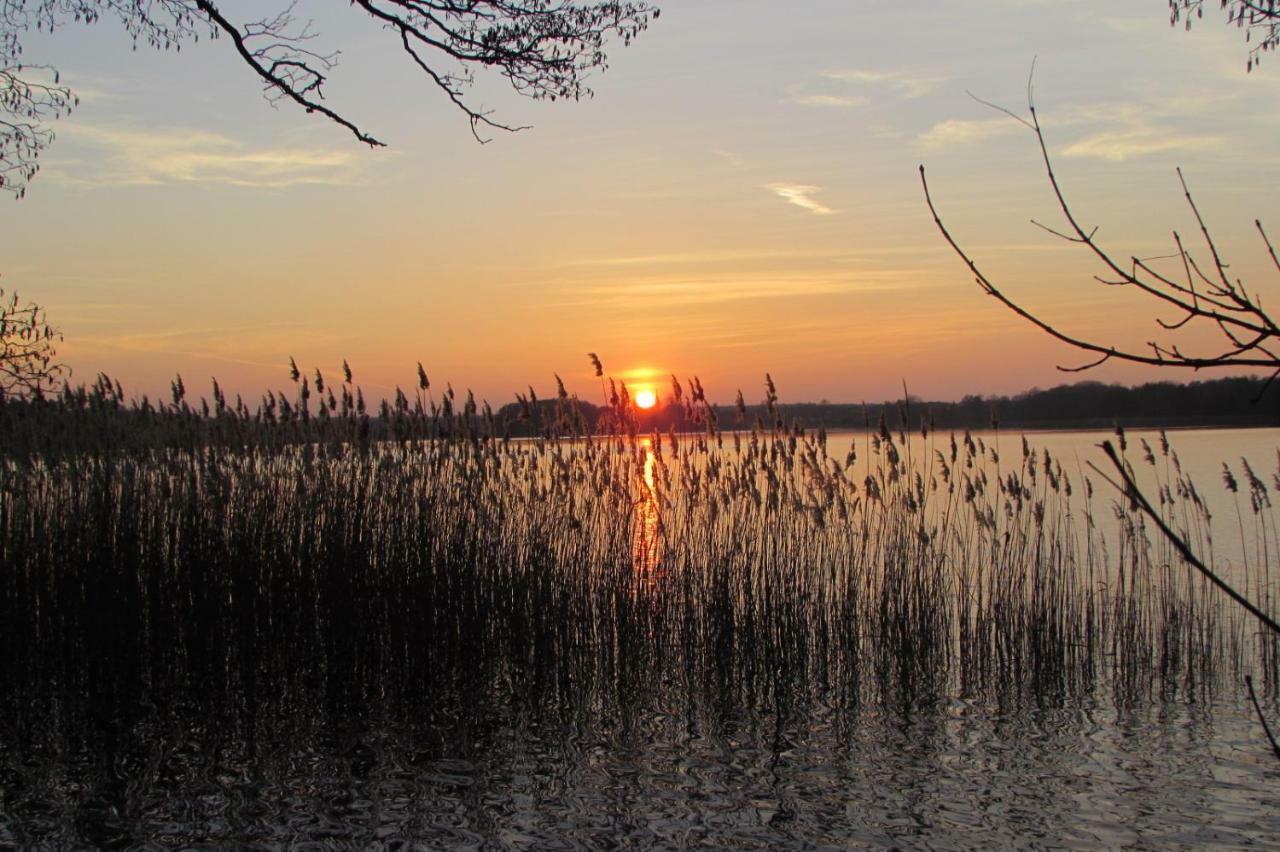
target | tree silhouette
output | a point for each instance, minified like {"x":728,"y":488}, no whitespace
{"x":546,"y":49}
{"x":27,"y":365}
{"x":1260,"y":20}
{"x":1203,"y":294}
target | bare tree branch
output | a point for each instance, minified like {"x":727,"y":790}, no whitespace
{"x":27,"y":354}
{"x":1251,"y":335}
{"x":1129,"y":488}
{"x":1260,"y":20}
{"x":546,"y":49}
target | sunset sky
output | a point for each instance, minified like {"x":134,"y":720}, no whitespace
{"x":741,"y":196}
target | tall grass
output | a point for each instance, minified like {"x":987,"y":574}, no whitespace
{"x":186,"y":587}
{"x":248,"y":563}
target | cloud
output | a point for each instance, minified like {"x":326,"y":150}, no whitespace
{"x":735,"y":160}
{"x":227,"y":344}
{"x":1121,"y":145}
{"x":683,"y":291}
{"x":905,"y":83}
{"x":126,"y":156}
{"x":955,"y":131}
{"x":801,"y":196}
{"x":640,"y":374}
{"x":710,"y":257}
{"x":838,"y":101}
{"x":828,"y":101}
{"x":1130,"y":26}
{"x":255,"y":345}
{"x":1108,"y":130}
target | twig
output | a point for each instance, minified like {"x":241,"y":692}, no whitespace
{"x":1219,"y":301}
{"x":1130,"y":490}
{"x":1275,"y":747}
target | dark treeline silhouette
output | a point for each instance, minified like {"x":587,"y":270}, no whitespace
{"x":99,"y":418}
{"x":1219,"y":402}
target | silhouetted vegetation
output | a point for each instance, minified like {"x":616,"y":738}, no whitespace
{"x":1082,"y":405}
{"x":101,"y":418}
{"x":28,"y":353}
{"x":1182,"y":291}
{"x":250,"y":584}
{"x":544,"y":50}
{"x":1259,"y":19}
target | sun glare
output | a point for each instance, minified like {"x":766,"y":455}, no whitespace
{"x":646,"y":398}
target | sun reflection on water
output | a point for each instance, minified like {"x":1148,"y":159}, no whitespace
{"x":646,"y":548}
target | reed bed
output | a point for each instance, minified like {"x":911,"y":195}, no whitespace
{"x":246,"y":564}
{"x":216,"y":621}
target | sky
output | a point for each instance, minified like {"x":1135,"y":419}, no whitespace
{"x":741,"y":196}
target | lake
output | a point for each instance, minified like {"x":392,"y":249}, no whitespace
{"x":745,"y":641}
{"x":1200,"y":453}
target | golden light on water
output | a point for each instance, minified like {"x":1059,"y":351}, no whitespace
{"x":646,"y":398}
{"x":646,"y":537}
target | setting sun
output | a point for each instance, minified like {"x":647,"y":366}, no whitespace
{"x":633,"y":471}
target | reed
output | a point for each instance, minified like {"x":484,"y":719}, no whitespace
{"x":238,"y":574}
{"x":245,"y":559}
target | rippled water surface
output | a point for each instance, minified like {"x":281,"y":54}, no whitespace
{"x":951,"y":774}
{"x":437,"y":647}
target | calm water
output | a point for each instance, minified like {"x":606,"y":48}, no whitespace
{"x":1238,"y":538}
{"x":210,"y":678}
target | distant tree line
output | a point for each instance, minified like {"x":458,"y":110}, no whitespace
{"x":98,"y":417}
{"x":1220,"y":402}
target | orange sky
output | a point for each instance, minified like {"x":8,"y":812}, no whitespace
{"x":740,"y":197}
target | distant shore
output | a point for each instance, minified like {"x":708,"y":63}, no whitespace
{"x":1228,"y":402}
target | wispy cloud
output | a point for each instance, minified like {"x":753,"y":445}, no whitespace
{"x":823,"y":100}
{"x":686,"y":291}
{"x":732,"y":158}
{"x":179,"y":155}
{"x":1109,"y":130}
{"x":956,"y":131}
{"x":640,"y":374}
{"x":1121,"y":145}
{"x":736,"y":259}
{"x":1135,"y":25}
{"x":801,"y":195}
{"x":683,"y":291}
{"x":256,"y":345}
{"x":905,"y":83}
{"x":711,"y":257}
{"x":832,"y":101}
{"x":832,"y":91}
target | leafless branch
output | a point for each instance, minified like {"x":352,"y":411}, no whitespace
{"x":1251,"y":335}
{"x":1129,"y":488}
{"x":546,"y":49}
{"x":27,"y":349}
{"x":1260,"y":20}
